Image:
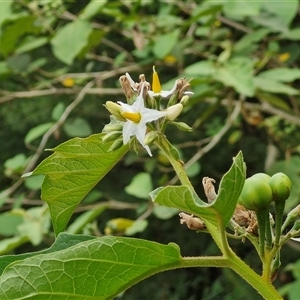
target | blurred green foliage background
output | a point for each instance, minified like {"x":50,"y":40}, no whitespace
{"x":61,"y":60}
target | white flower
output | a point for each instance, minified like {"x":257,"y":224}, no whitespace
{"x":137,"y":115}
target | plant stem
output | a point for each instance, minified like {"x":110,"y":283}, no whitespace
{"x":279,"y":209}
{"x":174,"y":160}
{"x":263,"y":287}
{"x":262,"y":216}
{"x":230,"y":259}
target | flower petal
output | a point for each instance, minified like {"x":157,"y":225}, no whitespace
{"x":129,"y":129}
{"x":149,"y":115}
{"x":126,"y":107}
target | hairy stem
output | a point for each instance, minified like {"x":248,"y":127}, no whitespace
{"x":263,"y":287}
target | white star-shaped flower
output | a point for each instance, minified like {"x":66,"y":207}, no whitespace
{"x":137,"y":116}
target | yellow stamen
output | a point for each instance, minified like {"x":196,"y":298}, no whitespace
{"x":156,"y":87}
{"x":132,"y":116}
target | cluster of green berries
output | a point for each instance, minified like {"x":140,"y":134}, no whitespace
{"x":260,"y":190}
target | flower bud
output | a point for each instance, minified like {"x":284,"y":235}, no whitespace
{"x":112,"y":127}
{"x":294,"y":213}
{"x":150,"y":137}
{"x":115,"y":110}
{"x":116,"y":145}
{"x":184,"y":100}
{"x":111,"y":136}
{"x":281,"y":186}
{"x":182,"y":126}
{"x":174,"y":111}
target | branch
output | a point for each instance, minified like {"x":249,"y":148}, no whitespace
{"x":57,"y":91}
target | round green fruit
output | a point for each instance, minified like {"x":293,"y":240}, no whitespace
{"x":263,"y":176}
{"x":281,"y":186}
{"x":256,"y":194}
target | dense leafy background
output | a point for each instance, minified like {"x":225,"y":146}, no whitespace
{"x":61,"y":60}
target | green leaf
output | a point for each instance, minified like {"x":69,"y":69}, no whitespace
{"x":92,"y":9}
{"x":274,"y":100}
{"x":72,"y":171}
{"x":31,"y":43}
{"x":15,"y":163}
{"x":291,"y":34}
{"x":5,"y":11}
{"x":165,"y":43}
{"x":281,"y":74}
{"x":9,"y":222}
{"x":70,"y":40}
{"x":57,"y":111}
{"x":140,"y":186}
{"x":37,"y":131}
{"x":9,"y":244}
{"x":63,"y":241}
{"x":193,"y":170}
{"x":273,"y":86}
{"x":13,"y":32}
{"x":202,"y":68}
{"x":285,"y":11}
{"x":240,"y":8}
{"x":137,"y":226}
{"x":78,"y":127}
{"x":183,"y":198}
{"x":96,"y":269}
{"x":34,"y":182}
{"x":237,"y":73}
{"x":19,"y":63}
{"x":4,"y":69}
{"x":249,"y":39}
{"x":165,"y":212}
{"x":85,"y":218}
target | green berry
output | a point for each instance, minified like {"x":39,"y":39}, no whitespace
{"x":263,"y":176}
{"x":281,"y":186}
{"x":256,"y":194}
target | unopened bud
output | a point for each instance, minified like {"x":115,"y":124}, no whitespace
{"x":112,"y":127}
{"x":111,"y":136}
{"x":174,"y":111}
{"x":184,"y":100}
{"x":114,"y":109}
{"x":116,"y":145}
{"x":182,"y":126}
{"x":296,"y":227}
{"x":291,"y":217}
{"x":294,"y":213}
{"x":150,"y":137}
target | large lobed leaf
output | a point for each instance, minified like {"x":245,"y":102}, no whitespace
{"x":71,"y":172}
{"x":95,"y":269}
{"x":222,"y":209}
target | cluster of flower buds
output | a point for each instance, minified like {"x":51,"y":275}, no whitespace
{"x":145,"y":115}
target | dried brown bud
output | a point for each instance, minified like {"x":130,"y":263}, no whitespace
{"x":182,"y":86}
{"x":126,"y":86}
{"x":245,"y":218}
{"x":191,"y":222}
{"x":209,"y":189}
